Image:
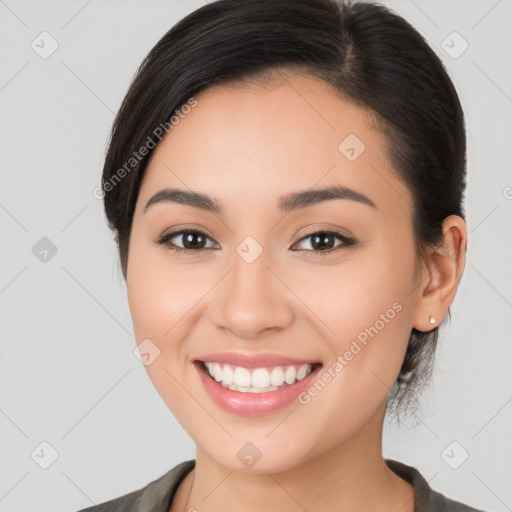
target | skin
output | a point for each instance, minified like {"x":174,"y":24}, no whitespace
{"x":247,"y":145}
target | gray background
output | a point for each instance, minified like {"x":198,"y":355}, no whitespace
{"x":68,"y":375}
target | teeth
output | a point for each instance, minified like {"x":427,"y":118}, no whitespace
{"x":290,"y":374}
{"x":302,"y":372}
{"x":277,"y":376}
{"x":232,"y":387}
{"x":228,"y":375}
{"x":260,"y":378}
{"x":217,"y":373}
{"x":242,"y":376}
{"x":257,"y":380}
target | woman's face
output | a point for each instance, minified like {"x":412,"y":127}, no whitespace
{"x":260,"y":285}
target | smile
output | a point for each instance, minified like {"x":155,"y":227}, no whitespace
{"x":256,"y":391}
{"x":257,"y":380}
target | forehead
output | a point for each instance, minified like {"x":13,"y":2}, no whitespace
{"x":261,"y":141}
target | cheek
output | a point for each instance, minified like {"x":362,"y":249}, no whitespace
{"x":161,"y":300}
{"x":368,"y":312}
{"x":365,"y":308}
{"x":154,"y":299}
{"x":164,"y":299}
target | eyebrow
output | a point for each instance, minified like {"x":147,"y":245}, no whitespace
{"x":287,"y":203}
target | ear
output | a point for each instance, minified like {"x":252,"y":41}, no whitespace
{"x":441,"y":274}
{"x":116,"y":236}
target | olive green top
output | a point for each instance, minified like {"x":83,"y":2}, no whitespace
{"x":157,"y":495}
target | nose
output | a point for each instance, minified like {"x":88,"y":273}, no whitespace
{"x":252,"y":300}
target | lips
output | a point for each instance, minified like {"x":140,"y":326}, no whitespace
{"x":250,"y":403}
{"x":246,"y":360}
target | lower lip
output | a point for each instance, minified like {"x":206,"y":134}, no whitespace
{"x":252,"y":404}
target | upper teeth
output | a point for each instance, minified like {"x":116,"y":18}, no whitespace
{"x":257,"y":377}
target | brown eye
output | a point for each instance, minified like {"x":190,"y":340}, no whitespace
{"x":192,"y":240}
{"x":324,"y":241}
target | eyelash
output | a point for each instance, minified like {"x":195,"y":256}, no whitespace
{"x":165,"y":240}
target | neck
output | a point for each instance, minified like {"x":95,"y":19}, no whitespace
{"x":350,"y":476}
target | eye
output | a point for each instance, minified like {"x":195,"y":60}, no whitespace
{"x":322,"y":242}
{"x":192,"y":240}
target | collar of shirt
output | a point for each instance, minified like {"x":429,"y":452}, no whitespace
{"x":157,"y":495}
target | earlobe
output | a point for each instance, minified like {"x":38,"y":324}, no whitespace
{"x":443,"y":273}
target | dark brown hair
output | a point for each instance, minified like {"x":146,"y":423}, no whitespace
{"x":367,"y":52}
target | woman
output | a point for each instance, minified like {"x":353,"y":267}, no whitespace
{"x":285,"y":182}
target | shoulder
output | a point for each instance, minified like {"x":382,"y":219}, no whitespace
{"x":440,"y":502}
{"x":156,"y":496}
{"x":427,"y":499}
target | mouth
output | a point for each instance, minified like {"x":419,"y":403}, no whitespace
{"x":263,"y":379}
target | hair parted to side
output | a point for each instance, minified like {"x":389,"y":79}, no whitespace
{"x":371,"y":55}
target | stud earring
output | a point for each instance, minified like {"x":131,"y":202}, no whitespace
{"x":432,"y":320}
